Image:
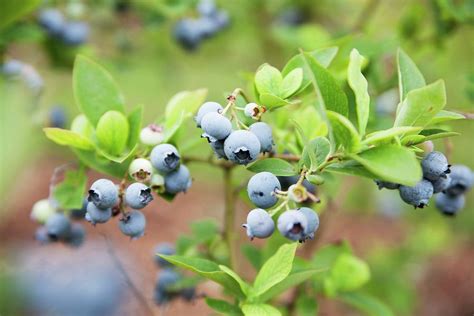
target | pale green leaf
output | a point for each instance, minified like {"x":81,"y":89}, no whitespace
{"x":223,"y":307}
{"x":135,"y":124}
{"x":316,"y":152}
{"x":345,"y":134}
{"x":100,"y":164}
{"x":70,"y":192}
{"x":291,"y":83}
{"x":443,"y":116}
{"x":112,"y":132}
{"x":253,"y":255}
{"x":388,"y":134}
{"x":268,"y":79}
{"x":244,"y":286}
{"x":278,"y":167}
{"x":351,"y":168}
{"x":366,"y":303}
{"x":186,"y":102}
{"x":260,"y":310}
{"x":359,"y":85}
{"x":409,"y":76}
{"x":12,"y":11}
{"x":68,"y":138}
{"x":271,"y":101}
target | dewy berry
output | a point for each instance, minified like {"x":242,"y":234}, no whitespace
{"x":449,"y":204}
{"x":165,"y":158}
{"x":133,"y":224}
{"x":138,"y":195}
{"x":292,"y":225}
{"x":435,"y":166}
{"x":42,"y":210}
{"x":152,"y":135}
{"x":242,"y":147}
{"x":178,"y":181}
{"x":418,"y":195}
{"x":215,"y":126}
{"x":58,"y":226}
{"x":263,"y":131}
{"x":259,"y":224}
{"x":313,"y":221}
{"x":441,"y":184}
{"x":387,"y":185}
{"x":206,"y":108}
{"x":97,"y":215}
{"x":462,"y":179}
{"x":140,"y":169}
{"x":261,"y":189}
{"x":103,"y":193}
{"x":163,"y":248}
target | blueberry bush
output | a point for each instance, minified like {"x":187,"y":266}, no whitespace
{"x":296,"y":127}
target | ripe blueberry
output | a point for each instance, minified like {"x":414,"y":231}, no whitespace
{"x":97,"y":215}
{"x":387,"y":185}
{"x":313,"y":221}
{"x":207,"y":26}
{"x":76,"y":236}
{"x":462,"y":179}
{"x":449,"y":204}
{"x":166,"y":279}
{"x":261,"y":189}
{"x":417,"y":195}
{"x":41,"y":235}
{"x":152,"y":135}
{"x":42,"y":210}
{"x":206,"y":108}
{"x":138,"y":195}
{"x":178,"y":181}
{"x":163,"y":248}
{"x":133,"y":224}
{"x":12,"y":68}
{"x":188,"y":294}
{"x":187,"y":33}
{"x":57,"y":117}
{"x":140,"y":169}
{"x":103,"y":193}
{"x":75,"y":33}
{"x":79,"y":213}
{"x":206,"y":7}
{"x":441,"y":184}
{"x":165,"y":158}
{"x":263,"y":131}
{"x":435,"y":165}
{"x":215,"y":126}
{"x":58,"y":226}
{"x":51,"y":20}
{"x":218,"y":148}
{"x":222,"y":19}
{"x":242,"y":147}
{"x":259,"y":224}
{"x":293,"y":224}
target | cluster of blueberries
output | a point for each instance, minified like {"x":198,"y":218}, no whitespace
{"x":56,"y":225}
{"x":450,"y":183}
{"x":298,"y":225}
{"x":189,"y":32}
{"x":71,"y":33}
{"x":239,"y":146}
{"x":168,"y":278}
{"x":16,"y":69}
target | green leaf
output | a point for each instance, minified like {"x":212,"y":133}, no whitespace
{"x":14,"y":10}
{"x":82,"y":126}
{"x":292,"y":280}
{"x":272,"y":101}
{"x":92,"y":160}
{"x":268,"y":79}
{"x":186,"y":102}
{"x":443,"y":116}
{"x":351,"y":168}
{"x":65,"y":137}
{"x":223,"y":307}
{"x":345,"y":134}
{"x":437,"y":133}
{"x":388,"y":134}
{"x":391,"y":163}
{"x":291,"y":83}
{"x":253,"y":255}
{"x":316,"y":152}
{"x":348,"y":273}
{"x":306,"y":305}
{"x":359,"y":85}
{"x":135,"y":124}
{"x":118,"y":158}
{"x":204,"y":230}
{"x":330,"y":94}
{"x":95,"y":91}
{"x":112,"y":132}
{"x":411,"y":140}
{"x":208,"y":269}
{"x":421,"y":105}
{"x":260,"y":310}
{"x":409,"y":76}
{"x":275,"y":269}
{"x":278,"y":167}
{"x":244,"y":286}
{"x":70,"y":192}
{"x":366,"y":303}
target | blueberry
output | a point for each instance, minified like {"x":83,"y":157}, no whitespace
{"x":75,"y":33}
{"x":251,"y":110}
{"x":76,"y":236}
{"x":103,"y":193}
{"x":41,"y":235}
{"x":97,"y":215}
{"x":293,"y":224}
{"x":163,"y":248}
{"x":152,"y":135}
{"x":462,"y":180}
{"x":218,"y":148}
{"x":418,"y":195}
{"x":51,"y":20}
{"x":188,"y":294}
{"x":242,"y":147}
{"x":178,"y":181}
{"x":165,"y":158}
{"x":435,"y":165}
{"x":387,"y":185}
{"x":12,"y":68}
{"x":291,"y":17}
{"x":133,"y":224}
{"x":206,"y":108}
{"x":441,"y":184}
{"x":263,"y":131}
{"x":259,"y":224}
{"x":42,"y":210}
{"x":222,"y":19}
{"x":166,"y":279}
{"x":161,"y":298}
{"x":187,"y":33}
{"x":313,"y":221}
{"x":449,"y":204}
{"x":207,"y":27}
{"x":261,"y":189}
{"x":206,"y":7}
{"x":57,"y":117}
{"x":79,"y":213}
{"x":138,"y":195}
{"x":140,"y":169}
{"x":216,"y":126}
{"x":58,"y":226}
{"x":32,"y":79}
